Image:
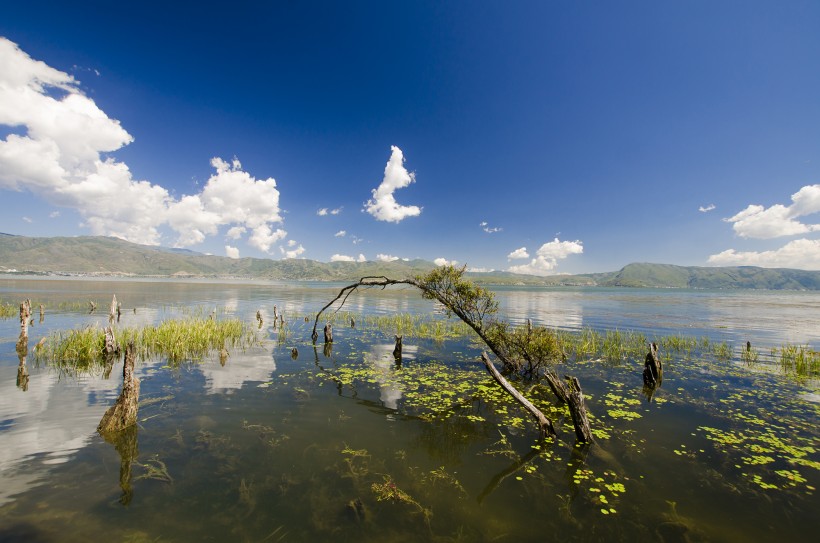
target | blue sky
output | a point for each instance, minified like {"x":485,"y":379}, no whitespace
{"x":542,"y":137}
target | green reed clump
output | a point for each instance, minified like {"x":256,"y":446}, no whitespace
{"x":678,"y":343}
{"x":799,"y":360}
{"x":722,"y":351}
{"x":187,"y":339}
{"x":8,"y":311}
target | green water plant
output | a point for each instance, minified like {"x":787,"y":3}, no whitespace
{"x":185,"y":339}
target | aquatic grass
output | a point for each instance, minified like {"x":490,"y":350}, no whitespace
{"x":186,"y":339}
{"x":799,"y":360}
{"x":8,"y":311}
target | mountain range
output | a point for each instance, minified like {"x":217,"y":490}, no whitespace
{"x":106,"y":256}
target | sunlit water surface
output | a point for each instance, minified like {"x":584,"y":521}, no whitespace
{"x":271,"y":448}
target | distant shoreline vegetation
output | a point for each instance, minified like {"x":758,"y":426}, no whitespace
{"x":96,"y":256}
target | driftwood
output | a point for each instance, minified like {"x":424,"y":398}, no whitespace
{"x":575,"y":401}
{"x":544,"y":424}
{"x":123,"y":413}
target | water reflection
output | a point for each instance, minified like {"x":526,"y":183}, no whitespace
{"x":255,"y":365}
{"x":380,"y":357}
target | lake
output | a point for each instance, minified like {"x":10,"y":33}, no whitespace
{"x":346,"y":444}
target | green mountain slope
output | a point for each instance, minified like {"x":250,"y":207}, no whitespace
{"x":112,"y":256}
{"x":667,"y":275}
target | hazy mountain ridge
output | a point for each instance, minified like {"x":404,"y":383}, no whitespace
{"x":113,"y":256}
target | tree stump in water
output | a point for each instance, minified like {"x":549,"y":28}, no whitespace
{"x":111,"y":348}
{"x":397,"y":348}
{"x":112,"y":311}
{"x":653,"y":369}
{"x":328,"y":333}
{"x":25,"y":315}
{"x":123,"y":414}
{"x":42,"y":313}
{"x":578,"y":410}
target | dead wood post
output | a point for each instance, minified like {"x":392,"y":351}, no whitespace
{"x":653,"y":369}
{"x":42,"y":313}
{"x":544,"y":424}
{"x":397,"y":348}
{"x":328,"y":333}
{"x":25,"y":315}
{"x":123,"y":413}
{"x":111,"y":348}
{"x":112,"y":311}
{"x":92,"y":306}
{"x":22,"y":371}
{"x":578,"y":410}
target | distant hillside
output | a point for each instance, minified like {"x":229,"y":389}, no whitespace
{"x":750,"y":277}
{"x":112,"y":256}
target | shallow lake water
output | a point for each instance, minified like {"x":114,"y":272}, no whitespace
{"x":345,"y":444}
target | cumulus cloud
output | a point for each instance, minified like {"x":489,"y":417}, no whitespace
{"x":346,"y":258}
{"x":800,"y":253}
{"x":547,"y":257}
{"x":445,"y":262}
{"x":324,"y":211}
{"x":295,"y":250}
{"x":484,"y":226}
{"x":383,"y":205}
{"x":386,"y":258}
{"x":706,"y":209}
{"x":518,"y":253}
{"x":57,"y":153}
{"x":231,"y":252}
{"x":235,"y":232}
{"x":340,"y":234}
{"x":778,"y":220}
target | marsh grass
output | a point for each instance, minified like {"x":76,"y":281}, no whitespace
{"x":420,"y":326}
{"x":798,"y":360}
{"x":186,"y":339}
{"x":8,"y":311}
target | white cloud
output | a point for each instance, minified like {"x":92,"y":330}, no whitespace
{"x":489,"y":230}
{"x":356,"y":240}
{"x":235,"y":232}
{"x":445,"y":262}
{"x":706,"y":209}
{"x":346,"y":258}
{"x":324,"y":211}
{"x":800,"y":253}
{"x":386,"y":258}
{"x":60,"y":159}
{"x":778,"y":220}
{"x":547,"y":257}
{"x":383,"y":205}
{"x":340,"y":234}
{"x":231,"y":252}
{"x":293,"y":253}
{"x":28,"y":220}
{"x":54,"y":214}
{"x":480,"y":270}
{"x":518,"y":253}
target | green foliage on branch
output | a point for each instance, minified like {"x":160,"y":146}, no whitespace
{"x":474,"y":304}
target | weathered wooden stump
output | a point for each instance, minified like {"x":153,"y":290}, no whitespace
{"x":653,"y":369}
{"x":112,"y":310}
{"x":294,"y":353}
{"x":42,"y":313}
{"x":112,"y":350}
{"x":328,"y":333}
{"x":578,"y":410}
{"x":123,"y":413}
{"x":223,"y":356}
{"x":92,"y":306}
{"x":22,"y":371}
{"x":398,"y":347}
{"x":25,"y":316}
